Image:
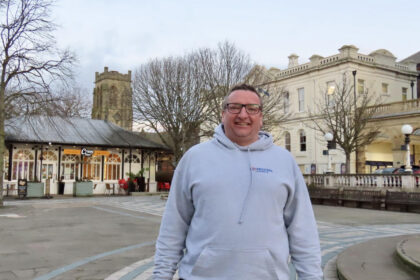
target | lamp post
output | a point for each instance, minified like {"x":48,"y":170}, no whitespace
{"x":329,"y":137}
{"x":412,"y":91}
{"x":354,"y":85}
{"x":355,"y":110}
{"x":407,"y":130}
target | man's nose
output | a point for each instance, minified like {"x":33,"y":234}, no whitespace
{"x":243,"y":113}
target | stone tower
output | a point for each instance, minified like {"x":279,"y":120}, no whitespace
{"x":113,"y":98}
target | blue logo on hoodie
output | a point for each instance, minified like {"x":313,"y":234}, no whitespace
{"x":261,"y":170}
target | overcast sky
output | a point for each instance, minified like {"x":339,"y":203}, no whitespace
{"x":126,"y":33}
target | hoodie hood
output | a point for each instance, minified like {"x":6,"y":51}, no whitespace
{"x":265,"y":140}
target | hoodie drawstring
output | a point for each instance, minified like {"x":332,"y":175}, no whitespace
{"x":241,"y":216}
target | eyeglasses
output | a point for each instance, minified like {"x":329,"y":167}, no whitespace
{"x":235,"y":108}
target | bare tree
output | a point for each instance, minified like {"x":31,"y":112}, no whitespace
{"x":29,"y":60}
{"x":226,"y":67}
{"x":180,"y":98}
{"x":71,"y":101}
{"x":167,"y":98}
{"x":220,"y":69}
{"x":65,"y":101}
{"x":275,"y":100}
{"x":346,"y":117}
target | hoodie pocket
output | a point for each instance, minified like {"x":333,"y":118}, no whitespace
{"x":219,"y":263}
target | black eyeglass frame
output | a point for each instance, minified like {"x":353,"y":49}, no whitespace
{"x":247,"y":107}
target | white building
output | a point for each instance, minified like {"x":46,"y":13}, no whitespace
{"x":378,"y":73}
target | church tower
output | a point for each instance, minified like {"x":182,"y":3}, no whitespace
{"x":113,"y":98}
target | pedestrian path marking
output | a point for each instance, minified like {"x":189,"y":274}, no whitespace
{"x":12,"y":215}
{"x":146,"y":263}
{"x":127,"y":214}
{"x":66,"y":268}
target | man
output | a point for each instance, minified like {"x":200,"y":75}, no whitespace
{"x":238,"y":206}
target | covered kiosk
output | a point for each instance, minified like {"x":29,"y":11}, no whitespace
{"x":60,"y":151}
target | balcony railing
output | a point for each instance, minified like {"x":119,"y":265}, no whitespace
{"x":393,"y":181}
{"x":396,"y":107}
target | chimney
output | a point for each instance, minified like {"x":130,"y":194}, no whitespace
{"x":293,"y":60}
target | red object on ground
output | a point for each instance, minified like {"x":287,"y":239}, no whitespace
{"x":164,"y":186}
{"x":123,"y":184}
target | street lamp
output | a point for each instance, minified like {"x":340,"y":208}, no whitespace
{"x":355,"y":110}
{"x":412,"y":91}
{"x":407,"y":130}
{"x":329,"y":137}
{"x":354,"y":87}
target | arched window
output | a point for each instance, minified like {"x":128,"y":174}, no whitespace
{"x":99,"y":94}
{"x":92,"y":168}
{"x":112,"y":167}
{"x":287,"y":141}
{"x":23,"y":165}
{"x":113,"y":97}
{"x":134,"y":159}
{"x":125,"y":100}
{"x":302,"y":137}
{"x":48,"y":156}
{"x":70,"y":167}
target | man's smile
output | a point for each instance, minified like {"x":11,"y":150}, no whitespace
{"x":242,"y":124}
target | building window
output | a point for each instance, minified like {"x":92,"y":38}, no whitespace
{"x":70,"y":167}
{"x":23,"y":165}
{"x":287,"y":141}
{"x":286,"y":102}
{"x":384,"y":88}
{"x":112,"y":167}
{"x":113,"y":97}
{"x":48,"y":156}
{"x":134,"y":159}
{"x":331,"y":87}
{"x":360,"y":86}
{"x":404,"y":94}
{"x":92,"y":168}
{"x":302,"y":137}
{"x":99,"y":93}
{"x":301,"y":94}
{"x":48,"y":165}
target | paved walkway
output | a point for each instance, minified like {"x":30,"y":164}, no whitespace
{"x":339,"y":228}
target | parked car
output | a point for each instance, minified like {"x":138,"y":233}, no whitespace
{"x":386,"y":170}
{"x":378,"y":171}
{"x":401,"y":170}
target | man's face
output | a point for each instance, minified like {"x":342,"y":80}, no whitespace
{"x":242,"y":128}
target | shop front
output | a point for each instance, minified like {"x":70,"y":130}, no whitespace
{"x":85,"y":151}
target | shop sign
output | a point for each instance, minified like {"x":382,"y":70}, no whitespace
{"x":22,"y":188}
{"x":71,"y":152}
{"x":163,"y":158}
{"x":87,"y":153}
{"x":101,"y":153}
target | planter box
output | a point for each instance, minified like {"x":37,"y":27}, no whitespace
{"x":35,"y":189}
{"x":82,"y":188}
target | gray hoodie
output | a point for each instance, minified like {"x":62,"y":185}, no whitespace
{"x":237,"y":212}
